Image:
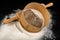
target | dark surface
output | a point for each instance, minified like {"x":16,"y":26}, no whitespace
{"x":7,"y":6}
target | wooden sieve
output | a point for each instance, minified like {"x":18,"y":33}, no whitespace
{"x":21,"y":18}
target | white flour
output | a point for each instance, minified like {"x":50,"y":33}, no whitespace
{"x":11,"y":32}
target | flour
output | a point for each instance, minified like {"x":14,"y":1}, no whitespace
{"x":11,"y":32}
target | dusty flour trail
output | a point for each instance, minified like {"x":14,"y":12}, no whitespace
{"x":11,"y":32}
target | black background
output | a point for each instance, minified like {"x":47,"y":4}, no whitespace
{"x":7,"y":7}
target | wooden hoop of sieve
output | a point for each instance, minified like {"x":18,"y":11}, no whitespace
{"x":40,"y":7}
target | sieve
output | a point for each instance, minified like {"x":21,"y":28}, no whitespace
{"x":44,"y":16}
